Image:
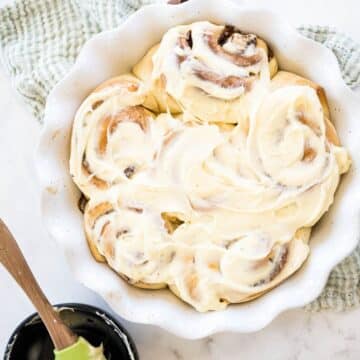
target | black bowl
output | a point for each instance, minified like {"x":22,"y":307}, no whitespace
{"x":31,"y":341}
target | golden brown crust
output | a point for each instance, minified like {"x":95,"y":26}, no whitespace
{"x":90,"y":217}
{"x":94,"y":250}
{"x":273,"y":65}
{"x":143,"y":285}
{"x":285,"y":78}
{"x":131,"y":83}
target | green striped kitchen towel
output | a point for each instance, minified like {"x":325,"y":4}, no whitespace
{"x":40,"y":40}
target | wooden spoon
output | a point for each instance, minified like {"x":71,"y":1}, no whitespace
{"x":13,"y":260}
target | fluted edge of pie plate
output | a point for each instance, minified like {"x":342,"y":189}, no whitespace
{"x":109,"y":53}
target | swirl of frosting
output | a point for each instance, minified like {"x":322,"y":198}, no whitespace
{"x":280,"y":175}
{"x":202,"y":60}
{"x":130,"y":240}
{"x":106,"y":132}
{"x":151,"y":248}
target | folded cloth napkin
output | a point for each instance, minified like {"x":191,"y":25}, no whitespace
{"x":40,"y":40}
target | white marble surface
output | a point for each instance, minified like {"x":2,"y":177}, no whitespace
{"x":295,"y":335}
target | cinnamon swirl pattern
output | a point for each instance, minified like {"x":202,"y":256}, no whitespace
{"x":200,"y":61}
{"x":106,"y":130}
{"x":217,"y":210}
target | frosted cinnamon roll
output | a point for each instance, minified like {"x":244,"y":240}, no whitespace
{"x":127,"y":238}
{"x":106,"y":130}
{"x":209,"y":70}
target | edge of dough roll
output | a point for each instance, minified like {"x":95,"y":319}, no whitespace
{"x":206,"y":170}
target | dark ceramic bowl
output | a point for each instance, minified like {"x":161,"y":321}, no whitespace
{"x":30,"y":340}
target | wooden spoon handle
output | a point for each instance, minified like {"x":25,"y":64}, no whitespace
{"x":13,"y":260}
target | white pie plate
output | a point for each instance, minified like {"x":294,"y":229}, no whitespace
{"x":114,"y":52}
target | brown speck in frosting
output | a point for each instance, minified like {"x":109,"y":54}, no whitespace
{"x":122,"y":232}
{"x":229,"y":243}
{"x":172,"y":256}
{"x":135,"y":209}
{"x":309,"y":154}
{"x":133,"y":87}
{"x":171,"y":222}
{"x":139,"y":254}
{"x":129,"y":171}
{"x":189,"y":39}
{"x":96,"y":104}
{"x":140,"y":258}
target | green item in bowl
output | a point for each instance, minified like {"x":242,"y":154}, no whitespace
{"x":81,"y":350}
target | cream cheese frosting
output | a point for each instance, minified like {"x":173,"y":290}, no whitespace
{"x":218,"y":213}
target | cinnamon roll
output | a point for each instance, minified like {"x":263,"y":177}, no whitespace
{"x":106,"y":129}
{"x":210,"y":70}
{"x":127,"y":238}
{"x":217,"y":205}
